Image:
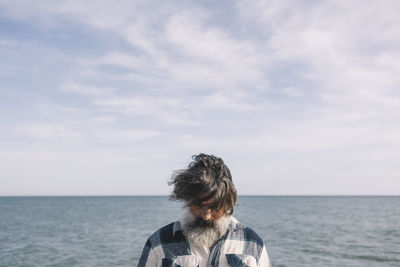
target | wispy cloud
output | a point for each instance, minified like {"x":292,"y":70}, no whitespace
{"x":126,"y":136}
{"x":49,"y":131}
{"x":289,"y":83}
{"x":85,"y":89}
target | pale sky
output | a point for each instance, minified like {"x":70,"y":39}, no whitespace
{"x":110,"y":97}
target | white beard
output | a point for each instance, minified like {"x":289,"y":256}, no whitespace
{"x":203,"y":237}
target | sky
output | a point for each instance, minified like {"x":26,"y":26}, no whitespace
{"x":110,"y":97}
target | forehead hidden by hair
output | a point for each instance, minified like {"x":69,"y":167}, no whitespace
{"x":207,"y":177}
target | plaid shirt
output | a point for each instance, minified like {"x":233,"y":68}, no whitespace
{"x":240,"y":246}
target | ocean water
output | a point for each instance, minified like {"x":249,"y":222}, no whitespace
{"x":111,"y":231}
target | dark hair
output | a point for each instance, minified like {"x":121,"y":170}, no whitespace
{"x":205,"y":178}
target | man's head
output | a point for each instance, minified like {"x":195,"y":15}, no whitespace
{"x":206,"y":188}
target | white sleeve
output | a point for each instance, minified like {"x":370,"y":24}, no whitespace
{"x":264,"y":259}
{"x":152,"y":260}
{"x":149,"y":257}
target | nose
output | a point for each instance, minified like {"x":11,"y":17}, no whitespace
{"x":206,"y":214}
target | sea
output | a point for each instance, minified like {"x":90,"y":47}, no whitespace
{"x":111,"y":231}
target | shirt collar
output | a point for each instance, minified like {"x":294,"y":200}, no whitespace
{"x":177,"y":227}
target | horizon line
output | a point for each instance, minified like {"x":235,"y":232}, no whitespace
{"x":241,"y":195}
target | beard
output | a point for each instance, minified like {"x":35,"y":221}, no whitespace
{"x":203,"y":233}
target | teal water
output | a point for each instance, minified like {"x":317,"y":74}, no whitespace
{"x":111,"y":231}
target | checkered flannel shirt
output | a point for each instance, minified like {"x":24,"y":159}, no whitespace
{"x":240,"y":246}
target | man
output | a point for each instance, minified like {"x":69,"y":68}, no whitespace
{"x":207,"y":234}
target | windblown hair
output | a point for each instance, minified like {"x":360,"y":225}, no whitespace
{"x":205,"y":178}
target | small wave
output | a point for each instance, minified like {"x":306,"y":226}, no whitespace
{"x":372,"y":258}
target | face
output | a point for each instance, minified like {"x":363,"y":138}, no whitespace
{"x":205,"y":212}
{"x":205,"y":224}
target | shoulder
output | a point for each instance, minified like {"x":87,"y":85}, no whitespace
{"x":250,"y":235}
{"x":244,"y":240}
{"x":168,"y":242}
{"x":164,"y":235}
{"x":246,"y":233}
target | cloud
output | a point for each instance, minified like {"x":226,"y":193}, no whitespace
{"x":169,"y":110}
{"x":49,"y":131}
{"x":295,"y":84}
{"x":140,"y":105}
{"x":175,"y":110}
{"x":291,"y":91}
{"x":103,"y":119}
{"x":235,"y":60}
{"x":329,"y":37}
{"x":85,"y":89}
{"x":221,"y":101}
{"x":126,"y":135}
